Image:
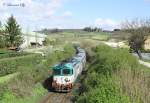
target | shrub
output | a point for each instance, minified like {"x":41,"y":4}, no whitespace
{"x":58,"y":56}
{"x":37,"y":92}
{"x":105,"y":92}
{"x":11,"y":65}
{"x":101,"y":84}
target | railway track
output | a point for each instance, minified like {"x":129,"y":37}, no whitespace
{"x":57,"y":98}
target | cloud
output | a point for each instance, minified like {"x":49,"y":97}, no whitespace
{"x":38,"y":14}
{"x":108,"y":24}
{"x":67,"y":14}
{"x":33,"y":13}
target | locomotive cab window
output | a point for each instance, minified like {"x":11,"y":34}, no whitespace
{"x":57,"y":72}
{"x":66,"y":71}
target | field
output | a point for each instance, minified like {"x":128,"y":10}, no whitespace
{"x":72,"y":35}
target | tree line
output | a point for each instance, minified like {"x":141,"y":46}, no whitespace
{"x":90,"y":29}
{"x":10,"y":34}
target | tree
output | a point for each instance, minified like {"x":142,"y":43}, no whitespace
{"x":90,"y":29}
{"x":13,"y":33}
{"x":2,"y":37}
{"x":2,"y":41}
{"x":0,"y":24}
{"x":139,"y":30}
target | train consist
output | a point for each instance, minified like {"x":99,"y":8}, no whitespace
{"x":66,"y":73}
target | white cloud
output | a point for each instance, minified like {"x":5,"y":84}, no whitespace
{"x":108,"y":24}
{"x":42,"y":13}
{"x":67,"y":14}
{"x":35,"y":11}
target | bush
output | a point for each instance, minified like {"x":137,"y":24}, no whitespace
{"x":104,"y":92}
{"x":58,"y":56}
{"x":101,"y":84}
{"x":37,"y":92}
{"x":109,"y":60}
{"x":11,"y":65}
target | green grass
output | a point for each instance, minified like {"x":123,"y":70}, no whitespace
{"x":72,"y":36}
{"x":4,"y":51}
{"x":12,"y":54}
{"x":101,"y":37}
{"x":35,"y":97}
{"x":11,"y":65}
{"x":7,"y":78}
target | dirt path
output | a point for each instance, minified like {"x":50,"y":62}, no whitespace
{"x":144,"y":63}
{"x":57,"y":98}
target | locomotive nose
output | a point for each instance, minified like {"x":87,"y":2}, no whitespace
{"x":67,"y":80}
{"x":62,"y":80}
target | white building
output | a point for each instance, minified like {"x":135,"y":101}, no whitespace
{"x":32,"y":38}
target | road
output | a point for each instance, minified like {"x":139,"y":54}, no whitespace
{"x":144,"y":63}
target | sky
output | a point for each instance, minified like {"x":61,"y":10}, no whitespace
{"x":73,"y":14}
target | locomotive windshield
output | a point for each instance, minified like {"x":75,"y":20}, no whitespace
{"x":57,"y":72}
{"x":61,"y":70}
{"x":66,"y":71}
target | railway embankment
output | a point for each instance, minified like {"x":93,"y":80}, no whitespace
{"x":114,"y":75}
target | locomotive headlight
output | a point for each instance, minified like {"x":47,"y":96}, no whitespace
{"x":67,"y":80}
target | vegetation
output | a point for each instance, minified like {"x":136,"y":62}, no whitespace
{"x":120,"y":35}
{"x":12,"y":54}
{"x":2,"y":38}
{"x":6,"y":78}
{"x":10,"y":36}
{"x":76,"y":36}
{"x":11,"y":65}
{"x":50,"y":31}
{"x":90,"y":29}
{"x":37,"y":92}
{"x":139,"y":30}
{"x":114,"y":76}
{"x":13,"y":33}
{"x":25,"y":86}
{"x":102,"y":37}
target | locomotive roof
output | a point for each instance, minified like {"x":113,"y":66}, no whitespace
{"x":72,"y":62}
{"x":61,"y":66}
